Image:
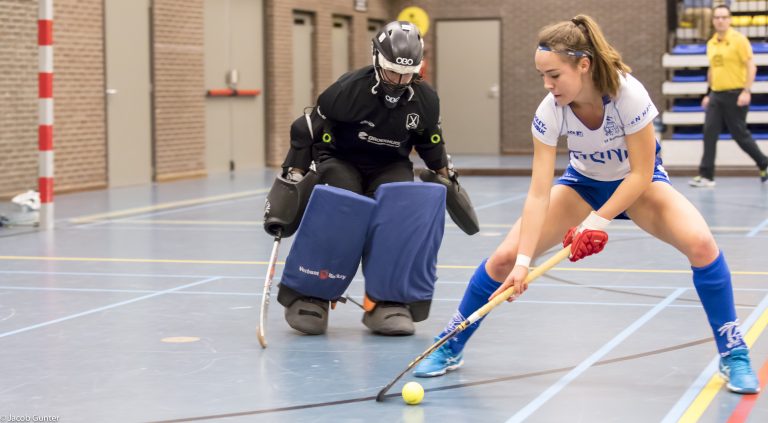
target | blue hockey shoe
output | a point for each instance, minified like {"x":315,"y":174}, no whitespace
{"x":737,"y":371}
{"x":442,"y":360}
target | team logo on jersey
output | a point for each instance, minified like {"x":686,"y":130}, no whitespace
{"x":612,"y":130}
{"x":610,"y":127}
{"x":539,"y":125}
{"x":412,"y":121}
{"x":391,"y":99}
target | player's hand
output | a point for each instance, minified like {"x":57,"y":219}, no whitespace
{"x":588,"y":238}
{"x":705,"y":102}
{"x":745,"y":97}
{"x":295,"y":175}
{"x":516,"y":278}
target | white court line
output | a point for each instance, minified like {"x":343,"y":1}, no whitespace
{"x":120,"y":275}
{"x":174,"y":228}
{"x":496,"y":203}
{"x":545,"y":396}
{"x":107,"y":307}
{"x":171,"y":211}
{"x":758,"y":228}
{"x":693,"y":391}
{"x":357,"y":279}
{"x":255,"y":294}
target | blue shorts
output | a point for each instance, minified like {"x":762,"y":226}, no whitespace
{"x":596,"y":193}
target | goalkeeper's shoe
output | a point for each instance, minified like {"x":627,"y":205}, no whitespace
{"x":737,"y":371}
{"x":442,"y":360}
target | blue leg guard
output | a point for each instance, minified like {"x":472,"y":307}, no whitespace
{"x":713,"y":284}
{"x":329,"y":243}
{"x":400,"y":258}
{"x":480,"y":287}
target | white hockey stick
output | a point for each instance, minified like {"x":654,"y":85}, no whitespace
{"x":261,"y":334}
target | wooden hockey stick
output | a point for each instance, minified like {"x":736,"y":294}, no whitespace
{"x":261,"y":333}
{"x":479,"y":313}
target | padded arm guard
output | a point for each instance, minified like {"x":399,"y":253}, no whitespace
{"x":456,"y":201}
{"x":303,"y":131}
{"x":286,"y":203}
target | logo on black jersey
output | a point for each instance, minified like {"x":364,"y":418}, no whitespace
{"x":391,"y":99}
{"x":412,"y":121}
{"x":378,"y":141}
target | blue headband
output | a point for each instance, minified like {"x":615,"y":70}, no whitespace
{"x":568,"y":52}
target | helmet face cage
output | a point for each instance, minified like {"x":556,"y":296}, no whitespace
{"x":399,"y":48}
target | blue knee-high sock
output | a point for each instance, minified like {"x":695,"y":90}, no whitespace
{"x":713,"y":284}
{"x":480,"y":287}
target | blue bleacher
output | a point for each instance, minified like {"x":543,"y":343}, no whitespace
{"x":690,"y":75}
{"x":758,"y":47}
{"x":698,"y":77}
{"x":690,"y":49}
{"x":687,"y":105}
{"x":695,"y":132}
{"x":723,"y":137}
{"x":692,"y":105}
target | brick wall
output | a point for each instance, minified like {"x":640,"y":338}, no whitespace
{"x":78,"y":91}
{"x":18,"y":96}
{"x":178,"y":49}
{"x":79,"y":128}
{"x":179,"y":100}
{"x":279,"y":85}
{"x":521,"y":86}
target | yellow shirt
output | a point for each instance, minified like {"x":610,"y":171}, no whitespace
{"x":728,"y":60}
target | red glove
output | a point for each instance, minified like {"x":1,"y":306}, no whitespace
{"x":587,"y":238}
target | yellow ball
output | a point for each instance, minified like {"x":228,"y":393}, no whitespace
{"x":413,"y":393}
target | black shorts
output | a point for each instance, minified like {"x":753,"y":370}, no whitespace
{"x":363,"y":179}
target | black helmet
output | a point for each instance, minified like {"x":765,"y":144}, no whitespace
{"x":398,"y":47}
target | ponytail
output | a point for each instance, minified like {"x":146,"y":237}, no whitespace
{"x":582,"y":34}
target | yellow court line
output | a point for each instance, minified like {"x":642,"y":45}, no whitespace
{"x":163,"y":206}
{"x":249,"y":262}
{"x":715,"y":383}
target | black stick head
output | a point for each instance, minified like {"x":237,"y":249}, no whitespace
{"x":382,"y":394}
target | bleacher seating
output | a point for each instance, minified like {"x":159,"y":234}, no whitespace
{"x":686,"y":65}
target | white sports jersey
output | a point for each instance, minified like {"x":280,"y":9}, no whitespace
{"x":599,"y":154}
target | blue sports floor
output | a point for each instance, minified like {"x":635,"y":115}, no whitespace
{"x":142,"y":306}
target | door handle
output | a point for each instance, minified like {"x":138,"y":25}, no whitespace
{"x":493,"y":92}
{"x":233,"y":77}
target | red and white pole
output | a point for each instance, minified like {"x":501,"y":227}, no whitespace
{"x":45,"y":112}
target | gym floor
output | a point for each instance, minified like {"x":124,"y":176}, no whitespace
{"x":142,"y":305}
